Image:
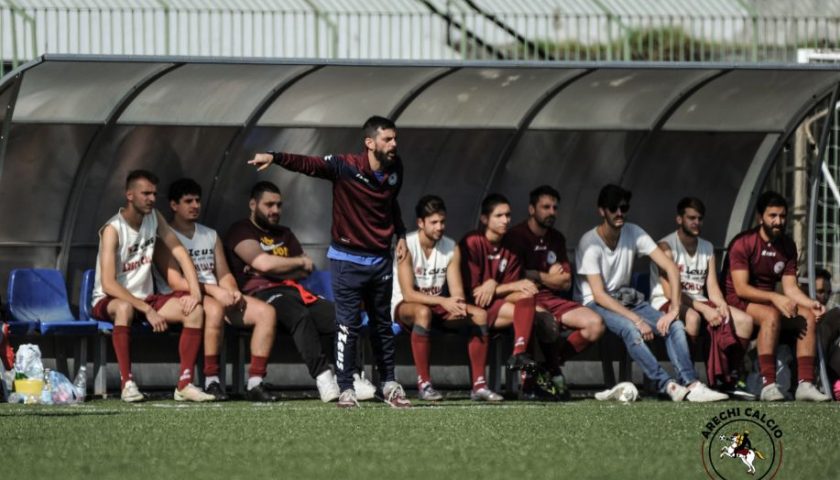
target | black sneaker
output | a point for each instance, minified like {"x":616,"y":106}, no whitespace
{"x":215,"y":389}
{"x":260,"y":394}
{"x":522,"y":362}
{"x":738,"y":391}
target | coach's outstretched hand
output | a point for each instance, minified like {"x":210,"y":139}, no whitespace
{"x":261,"y":161}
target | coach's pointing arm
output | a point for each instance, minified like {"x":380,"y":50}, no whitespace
{"x":321,"y":167}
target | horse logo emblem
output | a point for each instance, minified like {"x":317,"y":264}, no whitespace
{"x":738,"y":446}
{"x":742,"y":443}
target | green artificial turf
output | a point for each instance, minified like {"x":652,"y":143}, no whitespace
{"x":582,"y":439}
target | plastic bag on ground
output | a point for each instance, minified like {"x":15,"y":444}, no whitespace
{"x":28,"y":361}
{"x":62,"y":390}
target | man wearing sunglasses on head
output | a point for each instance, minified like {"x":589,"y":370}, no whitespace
{"x":604,"y":261}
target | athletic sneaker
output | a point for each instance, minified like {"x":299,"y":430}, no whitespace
{"x":535,"y":391}
{"x":130,"y":393}
{"x":215,"y":389}
{"x":702,"y":394}
{"x":395,"y":395}
{"x":425,"y":391}
{"x":363,"y":388}
{"x":521,"y":361}
{"x":260,"y":393}
{"x":738,"y":391}
{"x":347,"y":399}
{"x":772,"y":393}
{"x":676,"y":391}
{"x":484,"y":394}
{"x":807,"y":392}
{"x":624,"y":392}
{"x":327,"y":386}
{"x":191,"y":393}
{"x":837,"y":390}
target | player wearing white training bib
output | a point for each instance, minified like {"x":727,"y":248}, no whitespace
{"x":223,"y":300}
{"x":702,"y":298}
{"x":428,"y":289}
{"x":124,"y":287}
{"x":429,"y":271}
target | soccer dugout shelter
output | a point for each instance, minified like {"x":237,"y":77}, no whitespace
{"x":74,"y":126}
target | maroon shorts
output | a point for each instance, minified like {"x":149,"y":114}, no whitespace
{"x":438,"y":315}
{"x":493,"y":311}
{"x":558,"y":306}
{"x":100,"y":310}
{"x":736,"y":301}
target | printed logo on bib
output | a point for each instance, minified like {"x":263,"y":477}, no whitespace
{"x":779,"y":267}
{"x":551,"y":258}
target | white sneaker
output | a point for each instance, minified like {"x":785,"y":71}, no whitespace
{"x":676,"y":391}
{"x":130,"y":393}
{"x":700,"y":393}
{"x":484,"y":394}
{"x":364,"y":389}
{"x":191,"y":393}
{"x":771,"y":393}
{"x":624,"y":392}
{"x":327,"y":386}
{"x":807,"y":392}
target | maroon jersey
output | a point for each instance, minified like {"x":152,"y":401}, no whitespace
{"x":538,"y":253}
{"x":482,"y":261}
{"x":366,"y":214}
{"x":767,"y":262}
{"x":278,"y":241}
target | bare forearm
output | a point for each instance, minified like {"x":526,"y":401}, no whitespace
{"x":604,"y":300}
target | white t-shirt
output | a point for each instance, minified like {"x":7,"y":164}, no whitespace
{"x":201,"y":248}
{"x":133,"y":257}
{"x":615,"y":266}
{"x":429,"y":272}
{"x":693,"y":270}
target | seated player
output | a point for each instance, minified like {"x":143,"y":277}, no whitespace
{"x":223,"y":302}
{"x":492,"y":274}
{"x":829,"y":328}
{"x":422,"y":279}
{"x":267,"y":260}
{"x":542,"y":251}
{"x":604,"y":259}
{"x":123,"y":286}
{"x":695,"y":258}
{"x":758,"y":259}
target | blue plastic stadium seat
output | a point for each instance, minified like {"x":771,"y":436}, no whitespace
{"x":38,"y":303}
{"x":85,"y":300}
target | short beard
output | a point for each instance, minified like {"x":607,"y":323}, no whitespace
{"x":768,"y":230}
{"x":688,"y":232}
{"x":262,"y":222}
{"x":547,"y":222}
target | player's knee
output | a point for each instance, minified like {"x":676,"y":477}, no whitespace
{"x":265,"y":315}
{"x":214,"y":313}
{"x":479,"y":316}
{"x":594,"y":327}
{"x":195,"y":319}
{"x":123,"y":312}
{"x":423,"y":317}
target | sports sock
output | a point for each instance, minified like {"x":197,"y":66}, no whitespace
{"x":477,"y":349}
{"x":767,"y":368}
{"x":523,"y":323}
{"x":258,"y":366}
{"x":121,"y":337}
{"x":211,"y":365}
{"x":805,"y":369}
{"x":209,"y":380}
{"x":421,"y":347}
{"x":188,"y":346}
{"x":254,"y":381}
{"x":575,"y":343}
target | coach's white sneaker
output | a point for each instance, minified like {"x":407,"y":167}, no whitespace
{"x":327,"y":386}
{"x":772,"y":393}
{"x":807,"y":392}
{"x":364,"y":389}
{"x":191,"y":393}
{"x":700,"y":393}
{"x":676,"y":391}
{"x":130,"y":393}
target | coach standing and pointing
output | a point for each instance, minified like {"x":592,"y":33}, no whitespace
{"x":366,"y":216}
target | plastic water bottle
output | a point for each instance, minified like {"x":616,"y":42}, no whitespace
{"x":46,"y":392}
{"x":80,"y":384}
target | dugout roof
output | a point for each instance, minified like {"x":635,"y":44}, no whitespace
{"x":75,"y":125}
